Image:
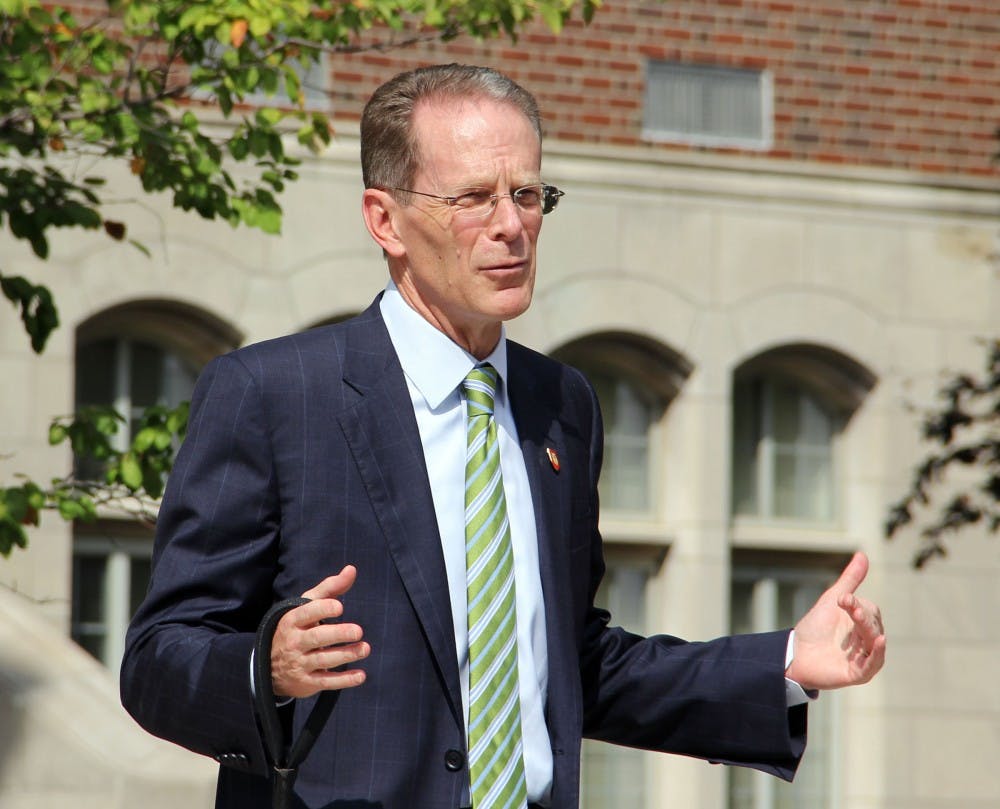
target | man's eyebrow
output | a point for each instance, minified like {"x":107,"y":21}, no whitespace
{"x":491,"y":185}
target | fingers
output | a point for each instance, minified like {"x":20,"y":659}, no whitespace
{"x":334,"y":586}
{"x":867,"y":617}
{"x":302,"y":658}
{"x":866,"y":644}
{"x":308,"y":642}
{"x":852,"y":576}
{"x":869,"y":663}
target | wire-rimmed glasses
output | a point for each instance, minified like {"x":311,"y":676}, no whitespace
{"x":473,"y":203}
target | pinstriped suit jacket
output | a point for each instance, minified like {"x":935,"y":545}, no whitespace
{"x":303,"y":455}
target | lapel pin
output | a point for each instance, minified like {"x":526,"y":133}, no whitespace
{"x":553,"y":458}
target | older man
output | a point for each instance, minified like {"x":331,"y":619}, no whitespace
{"x":432,"y":488}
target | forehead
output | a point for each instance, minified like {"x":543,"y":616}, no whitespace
{"x":475,"y":140}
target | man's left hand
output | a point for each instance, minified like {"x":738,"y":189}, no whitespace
{"x":841,"y":640}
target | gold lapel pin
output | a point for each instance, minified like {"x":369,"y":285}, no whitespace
{"x":553,"y":458}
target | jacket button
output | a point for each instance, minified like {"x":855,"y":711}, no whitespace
{"x":454,"y":760}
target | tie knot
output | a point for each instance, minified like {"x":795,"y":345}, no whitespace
{"x":480,"y":388}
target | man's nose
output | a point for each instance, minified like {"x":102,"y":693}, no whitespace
{"x":505,"y":216}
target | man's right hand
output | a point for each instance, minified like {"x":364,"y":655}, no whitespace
{"x":304,"y":648}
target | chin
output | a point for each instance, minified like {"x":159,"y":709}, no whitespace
{"x":511,"y":303}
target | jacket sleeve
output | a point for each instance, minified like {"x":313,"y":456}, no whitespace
{"x":186,"y":672}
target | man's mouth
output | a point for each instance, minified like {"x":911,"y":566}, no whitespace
{"x":506,"y":266}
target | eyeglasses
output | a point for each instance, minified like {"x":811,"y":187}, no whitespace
{"x":473,"y":203}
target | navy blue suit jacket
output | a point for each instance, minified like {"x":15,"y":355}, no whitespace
{"x":303,"y":455}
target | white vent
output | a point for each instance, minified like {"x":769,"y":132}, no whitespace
{"x":708,"y":105}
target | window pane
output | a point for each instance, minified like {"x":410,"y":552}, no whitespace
{"x":803,"y":485}
{"x":816,"y":425}
{"x":110,"y":576}
{"x":140,"y":570}
{"x":88,"y":626}
{"x":782,"y":451}
{"x":178,"y":382}
{"x":746,"y":447}
{"x":88,"y":588}
{"x":95,"y":373}
{"x":146,"y":375}
{"x":624,"y":484}
{"x":786,"y":401}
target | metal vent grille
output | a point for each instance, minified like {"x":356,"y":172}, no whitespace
{"x":707,"y":104}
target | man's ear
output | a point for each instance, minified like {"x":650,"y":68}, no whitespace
{"x":379,"y":209}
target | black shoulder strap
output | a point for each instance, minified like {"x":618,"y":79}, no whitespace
{"x":283,"y":756}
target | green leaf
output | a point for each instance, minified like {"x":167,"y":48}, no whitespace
{"x":268,"y":116}
{"x":37,"y":309}
{"x":152,"y":482}
{"x":131,"y":472}
{"x":260,"y":26}
{"x":57,"y":434}
{"x":71,"y":510}
{"x":12,"y":535}
{"x":177,"y":419}
{"x":164,"y":440}
{"x":144,"y":439}
{"x":15,"y":504}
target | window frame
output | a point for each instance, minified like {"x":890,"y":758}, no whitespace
{"x":119,"y":543}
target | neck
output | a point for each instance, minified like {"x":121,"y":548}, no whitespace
{"x":479,"y":339}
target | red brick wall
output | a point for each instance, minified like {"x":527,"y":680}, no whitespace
{"x":907,"y":84}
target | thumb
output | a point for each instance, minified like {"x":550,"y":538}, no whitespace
{"x":852,"y":576}
{"x":333,"y":586}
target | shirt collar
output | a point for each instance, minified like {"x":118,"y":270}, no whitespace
{"x":433,"y":362}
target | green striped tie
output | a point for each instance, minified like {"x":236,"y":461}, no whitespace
{"x":496,"y":766}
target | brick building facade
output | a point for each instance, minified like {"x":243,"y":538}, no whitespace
{"x":906,"y":85}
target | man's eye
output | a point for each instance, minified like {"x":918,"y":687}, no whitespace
{"x":473,"y":198}
{"x":528,"y":197}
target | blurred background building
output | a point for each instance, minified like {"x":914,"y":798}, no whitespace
{"x":779,"y":235}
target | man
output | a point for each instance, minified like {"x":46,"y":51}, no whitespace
{"x":357,"y":465}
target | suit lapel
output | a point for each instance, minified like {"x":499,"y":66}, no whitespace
{"x":382,"y":433}
{"x":539,"y":430}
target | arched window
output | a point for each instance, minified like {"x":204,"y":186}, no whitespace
{"x":789,"y":408}
{"x":130,"y":357}
{"x":629,"y":415}
{"x":783,"y":450}
{"x":635,"y":380}
{"x":129,"y":374}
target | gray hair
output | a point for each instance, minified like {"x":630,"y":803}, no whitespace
{"x":389,"y":154}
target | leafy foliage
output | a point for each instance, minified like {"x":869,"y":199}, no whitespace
{"x":967,"y":430}
{"x":163,"y":86}
{"x":132,"y":479}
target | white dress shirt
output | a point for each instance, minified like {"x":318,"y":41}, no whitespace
{"x":434,"y":367}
